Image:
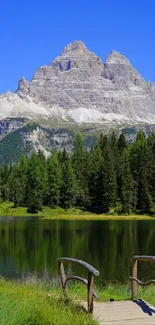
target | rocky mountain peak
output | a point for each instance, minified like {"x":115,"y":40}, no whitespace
{"x":76,"y":47}
{"x":76,"y":62}
{"x":78,"y":88}
{"x":119,"y":69}
{"x":23,"y":87}
{"x":117,"y":58}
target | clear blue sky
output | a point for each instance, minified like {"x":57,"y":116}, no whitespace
{"x":33,"y":32}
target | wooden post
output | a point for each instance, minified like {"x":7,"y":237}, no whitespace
{"x":90,"y":292}
{"x":134,"y":275}
{"x":63,"y":277}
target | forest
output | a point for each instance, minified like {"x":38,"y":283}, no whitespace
{"x":112,"y":175}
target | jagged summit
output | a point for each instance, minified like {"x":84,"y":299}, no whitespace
{"x":77,"y":60}
{"x":122,"y":71}
{"x":23,"y":86}
{"x":117,"y":58}
{"x":77,"y":47}
{"x":77,"y":87}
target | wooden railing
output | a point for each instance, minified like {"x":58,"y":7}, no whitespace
{"x":90,"y":282}
{"x":135,"y":260}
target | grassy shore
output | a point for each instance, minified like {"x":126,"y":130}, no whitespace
{"x":39,"y":304}
{"x":7,"y":210}
{"x":27,"y":304}
{"x":115,"y":291}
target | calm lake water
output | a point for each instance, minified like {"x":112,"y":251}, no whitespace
{"x":29,"y":247}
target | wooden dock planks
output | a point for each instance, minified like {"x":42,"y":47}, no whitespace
{"x":127,"y":312}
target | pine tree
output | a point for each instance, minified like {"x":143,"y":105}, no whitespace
{"x":95,"y":164}
{"x":115,"y":150}
{"x":151,"y":146}
{"x":35,"y":186}
{"x":122,"y":144}
{"x":5,"y":173}
{"x":108,"y":178}
{"x":68,"y":185}
{"x":16,"y":194}
{"x":54,"y":179}
{"x":22,"y":175}
{"x":126,"y":181}
{"x":42,"y":163}
{"x":116,"y":154}
{"x":140,"y":167}
{"x":79,"y":163}
{"x":1,"y":179}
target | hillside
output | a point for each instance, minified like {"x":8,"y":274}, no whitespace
{"x":21,"y":137}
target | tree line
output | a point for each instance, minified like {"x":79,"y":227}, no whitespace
{"x":112,"y":175}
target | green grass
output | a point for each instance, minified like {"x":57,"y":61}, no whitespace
{"x":27,"y":304}
{"x":42,"y":304}
{"x":115,"y":291}
{"x":124,"y":292}
{"x":7,"y":210}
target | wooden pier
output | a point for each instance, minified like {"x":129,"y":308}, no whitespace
{"x":135,"y":311}
{"x":127,"y":312}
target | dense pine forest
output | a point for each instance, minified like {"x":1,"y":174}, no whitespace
{"x":111,"y":176}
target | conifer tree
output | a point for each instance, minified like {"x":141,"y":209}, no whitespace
{"x":42,"y":163}
{"x":116,"y":159}
{"x":54,"y":179}
{"x":122,"y":144}
{"x":109,"y":184}
{"x":115,"y":150}
{"x":79,"y":163}
{"x":95,"y":165}
{"x":126,"y":183}
{"x":1,"y":179}
{"x":16,"y":194}
{"x":68,"y":184}
{"x":35,"y":185}
{"x":5,"y":182}
{"x":140,"y":167}
{"x":22,"y":175}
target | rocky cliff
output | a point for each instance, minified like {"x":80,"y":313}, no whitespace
{"x":77,"y":87}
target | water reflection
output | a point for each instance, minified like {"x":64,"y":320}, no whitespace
{"x":31,"y":246}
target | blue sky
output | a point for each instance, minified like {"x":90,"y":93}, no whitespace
{"x":33,"y":32}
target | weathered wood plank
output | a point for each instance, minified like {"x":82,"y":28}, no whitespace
{"x":127,"y":312}
{"x":134,"y":275}
{"x":62,"y":277}
{"x":144,"y":258}
{"x":90,"y":292}
{"x":89,"y":267}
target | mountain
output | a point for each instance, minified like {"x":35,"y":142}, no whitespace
{"x":77,"y":88}
{"x":76,"y":92}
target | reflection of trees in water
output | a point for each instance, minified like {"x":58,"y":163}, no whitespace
{"x":28,"y":246}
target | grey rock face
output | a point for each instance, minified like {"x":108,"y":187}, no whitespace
{"x":122,"y":71}
{"x":23,"y":88}
{"x":77,"y":86}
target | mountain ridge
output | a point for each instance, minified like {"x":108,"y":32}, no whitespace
{"x":77,"y":87}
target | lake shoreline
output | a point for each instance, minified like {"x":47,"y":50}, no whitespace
{"x":39,"y":303}
{"x":7,"y":210}
{"x":28,"y":303}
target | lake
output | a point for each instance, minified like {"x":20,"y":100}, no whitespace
{"x":29,"y":247}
